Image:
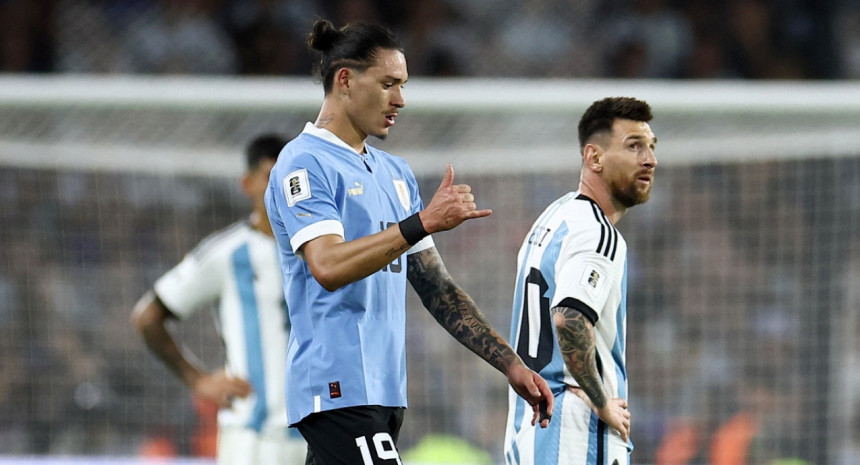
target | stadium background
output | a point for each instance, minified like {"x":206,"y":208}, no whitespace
{"x":122,"y":122}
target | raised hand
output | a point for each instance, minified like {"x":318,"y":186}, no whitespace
{"x":451,"y":205}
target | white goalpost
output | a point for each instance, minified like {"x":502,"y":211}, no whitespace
{"x":701,"y":121}
{"x":743,"y":265}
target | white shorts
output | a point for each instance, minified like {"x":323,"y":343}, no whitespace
{"x":243,"y":446}
{"x":575,"y":436}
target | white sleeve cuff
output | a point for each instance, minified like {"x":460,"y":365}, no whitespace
{"x":423,"y":244}
{"x":313,"y":231}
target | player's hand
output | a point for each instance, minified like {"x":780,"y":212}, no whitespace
{"x":451,"y":205}
{"x":614,"y":413}
{"x":534,"y":389}
{"x":221,"y":388}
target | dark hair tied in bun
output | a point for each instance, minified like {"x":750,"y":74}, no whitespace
{"x":353,"y":46}
{"x":323,"y":36}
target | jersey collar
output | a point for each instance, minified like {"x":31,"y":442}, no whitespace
{"x":581,"y":196}
{"x":327,"y":136}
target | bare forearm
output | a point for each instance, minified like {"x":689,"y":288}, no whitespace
{"x":149,"y":318}
{"x":335,"y":263}
{"x":576,"y":342}
{"x":165,"y":348}
{"x":456,"y":311}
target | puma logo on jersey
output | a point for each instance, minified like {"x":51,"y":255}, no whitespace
{"x":357,"y":190}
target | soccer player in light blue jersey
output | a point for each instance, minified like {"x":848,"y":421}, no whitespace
{"x":570,"y":302}
{"x":352,"y":229}
{"x":237,"y":268}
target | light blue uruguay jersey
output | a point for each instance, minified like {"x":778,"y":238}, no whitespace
{"x":573,"y":256}
{"x":347,"y":347}
{"x":237,"y":267}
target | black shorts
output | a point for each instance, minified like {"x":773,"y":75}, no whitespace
{"x":363,"y":435}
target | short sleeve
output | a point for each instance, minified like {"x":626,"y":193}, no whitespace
{"x":584,"y":275}
{"x":305,"y":201}
{"x":194,"y":282}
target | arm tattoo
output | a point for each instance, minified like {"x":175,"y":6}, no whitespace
{"x":394,"y":253}
{"x":455,"y":310}
{"x":576,"y":341}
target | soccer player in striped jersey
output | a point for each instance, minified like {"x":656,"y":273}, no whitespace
{"x":570,"y":302}
{"x":352,"y":229}
{"x":238,"y":268}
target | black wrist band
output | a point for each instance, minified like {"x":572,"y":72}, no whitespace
{"x":412,"y":229}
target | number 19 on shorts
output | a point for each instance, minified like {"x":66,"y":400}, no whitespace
{"x":383,"y":446}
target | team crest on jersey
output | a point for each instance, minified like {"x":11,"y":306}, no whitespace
{"x":297,"y":187}
{"x":403,"y":193}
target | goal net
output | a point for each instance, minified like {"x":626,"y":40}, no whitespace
{"x":744,"y":265}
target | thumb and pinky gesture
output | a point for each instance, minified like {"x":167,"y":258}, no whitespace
{"x":451,"y":205}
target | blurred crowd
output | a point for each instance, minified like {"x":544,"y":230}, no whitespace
{"x":745,"y":277}
{"x":75,"y":378}
{"x":697,"y":39}
{"x":743,"y":280}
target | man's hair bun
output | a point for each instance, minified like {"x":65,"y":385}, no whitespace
{"x":323,"y":36}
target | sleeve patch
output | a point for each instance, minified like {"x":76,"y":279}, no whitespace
{"x":297,"y":187}
{"x":593,"y":280}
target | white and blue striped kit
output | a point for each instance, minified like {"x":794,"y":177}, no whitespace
{"x":237,"y":267}
{"x":573,"y":256}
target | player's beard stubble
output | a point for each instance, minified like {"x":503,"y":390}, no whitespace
{"x":630,"y":194}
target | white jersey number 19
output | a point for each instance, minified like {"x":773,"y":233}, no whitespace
{"x":384,"y":446}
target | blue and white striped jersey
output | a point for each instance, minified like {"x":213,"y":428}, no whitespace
{"x":238,"y":268}
{"x":573,"y":256}
{"x":347,"y":347}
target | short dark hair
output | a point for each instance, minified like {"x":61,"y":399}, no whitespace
{"x":352,"y":46}
{"x":264,"y":146}
{"x":598,"y":118}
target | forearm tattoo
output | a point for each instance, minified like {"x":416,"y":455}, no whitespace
{"x":576,"y":341}
{"x":455,"y":310}
{"x":394,"y":253}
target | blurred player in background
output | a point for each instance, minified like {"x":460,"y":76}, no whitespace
{"x":346,"y":217}
{"x":572,"y":275}
{"x":238,"y":268}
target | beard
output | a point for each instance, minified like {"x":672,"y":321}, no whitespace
{"x":630,"y":195}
